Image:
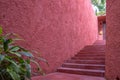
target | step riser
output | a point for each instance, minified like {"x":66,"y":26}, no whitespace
{"x":82,"y":72}
{"x":82,"y":58}
{"x":86,"y":62}
{"x":88,"y":56}
{"x":99,"y":44}
{"x":92,"y":51}
{"x":85,"y":67}
{"x":92,"y":55}
{"x":94,"y":48}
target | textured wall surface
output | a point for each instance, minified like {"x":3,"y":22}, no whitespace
{"x":56,"y":28}
{"x":113,"y":40}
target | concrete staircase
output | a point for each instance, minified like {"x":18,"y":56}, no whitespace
{"x":89,"y":61}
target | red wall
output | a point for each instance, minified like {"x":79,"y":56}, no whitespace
{"x":56,"y":28}
{"x":113,"y":40}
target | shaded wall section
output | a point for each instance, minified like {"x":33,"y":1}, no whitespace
{"x":113,"y":40}
{"x":56,"y":28}
{"x":101,"y":21}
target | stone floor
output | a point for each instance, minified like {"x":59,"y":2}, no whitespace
{"x":64,"y":76}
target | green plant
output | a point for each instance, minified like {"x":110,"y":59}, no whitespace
{"x":100,"y":7}
{"x":15,"y":60}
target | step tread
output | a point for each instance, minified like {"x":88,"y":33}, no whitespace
{"x":85,"y":70}
{"x":95,"y":45}
{"x":91,"y":52}
{"x":88,"y":57}
{"x":86,"y":60}
{"x":75,"y":58}
{"x":84,"y":64}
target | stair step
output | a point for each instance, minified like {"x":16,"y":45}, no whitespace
{"x":99,"y":42}
{"x":91,"y":52}
{"x":95,"y":47}
{"x":97,"y":50}
{"x":86,"y":61}
{"x":88,"y":58}
{"x":88,"y":54}
{"x":84,"y":66}
{"x":99,"y":73}
{"x":92,"y":48}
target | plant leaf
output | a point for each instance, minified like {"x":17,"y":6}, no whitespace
{"x":6,"y":44}
{"x":18,"y":39}
{"x":28,"y":61}
{"x":13,"y":63}
{"x":14,"y":48}
{"x":36,"y":64}
{"x":39,"y":68}
{"x":1,"y":30}
{"x":28,"y":72}
{"x":13,"y":74}
{"x":16,"y":53}
{"x":42,"y":59}
{"x":2,"y":57}
{"x":28,"y":54}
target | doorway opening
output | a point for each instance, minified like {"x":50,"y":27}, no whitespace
{"x":99,"y":7}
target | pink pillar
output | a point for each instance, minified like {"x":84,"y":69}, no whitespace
{"x":113,"y":40}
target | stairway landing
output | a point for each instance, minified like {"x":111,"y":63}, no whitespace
{"x":64,"y":76}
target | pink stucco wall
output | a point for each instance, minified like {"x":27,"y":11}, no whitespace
{"x":113,"y":40}
{"x":56,"y":28}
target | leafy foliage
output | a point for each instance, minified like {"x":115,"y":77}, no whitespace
{"x":100,"y":6}
{"x":12,"y":64}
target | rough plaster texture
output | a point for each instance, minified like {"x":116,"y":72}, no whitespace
{"x":56,"y":28}
{"x":113,"y":40}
